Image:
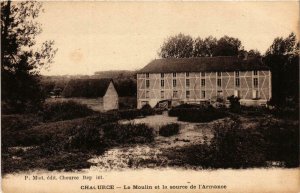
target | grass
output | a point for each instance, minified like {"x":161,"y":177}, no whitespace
{"x":169,"y":130}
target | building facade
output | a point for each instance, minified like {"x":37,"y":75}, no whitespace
{"x":196,"y":80}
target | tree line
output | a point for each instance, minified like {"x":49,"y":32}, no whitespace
{"x":184,"y":46}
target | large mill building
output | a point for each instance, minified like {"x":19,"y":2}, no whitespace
{"x":205,"y":79}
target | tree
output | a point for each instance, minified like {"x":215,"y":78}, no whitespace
{"x":254,"y":53}
{"x":283,"y":59}
{"x":228,"y":46}
{"x":204,"y":48}
{"x":21,"y":61}
{"x":179,"y":46}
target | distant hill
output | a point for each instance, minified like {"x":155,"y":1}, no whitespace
{"x":114,"y":74}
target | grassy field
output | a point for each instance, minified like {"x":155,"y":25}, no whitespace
{"x":126,"y":139}
{"x":95,"y":104}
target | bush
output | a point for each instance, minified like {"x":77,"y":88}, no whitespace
{"x":18,"y":122}
{"x":202,"y":114}
{"x":235,"y":105}
{"x":115,"y":134}
{"x":235,"y":147}
{"x":254,"y":110}
{"x":59,"y":111}
{"x":85,"y":137}
{"x":169,"y":130}
{"x":282,"y":141}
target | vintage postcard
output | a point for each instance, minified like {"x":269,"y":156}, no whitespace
{"x":150,"y":96}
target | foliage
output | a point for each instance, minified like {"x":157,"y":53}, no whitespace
{"x":115,"y":134}
{"x":282,"y":140}
{"x":20,"y":62}
{"x":228,"y":46}
{"x":235,"y":105}
{"x":283,"y":59}
{"x":18,"y":122}
{"x":178,"y":46}
{"x":236,"y":147}
{"x":200,"y":114}
{"x":183,"y":46}
{"x":85,"y":137}
{"x":59,"y":111}
{"x":205,"y":48}
{"x":169,"y":130}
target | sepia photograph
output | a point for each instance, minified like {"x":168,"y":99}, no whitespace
{"x":150,"y":96}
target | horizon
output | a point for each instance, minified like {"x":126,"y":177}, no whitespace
{"x":103,"y":36}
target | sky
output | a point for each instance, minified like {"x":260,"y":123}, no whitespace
{"x":99,"y":36}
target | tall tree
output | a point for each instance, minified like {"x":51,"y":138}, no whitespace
{"x":204,"y":48}
{"x":254,"y":53}
{"x":283,"y":59}
{"x":21,"y":62}
{"x":228,"y":46}
{"x":178,"y":46}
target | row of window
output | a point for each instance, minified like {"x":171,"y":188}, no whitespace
{"x":175,"y":94}
{"x":187,"y":74}
{"x":188,"y":94}
{"x":187,"y":82}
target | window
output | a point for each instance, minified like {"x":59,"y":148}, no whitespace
{"x":237,"y":93}
{"x":255,"y":94}
{"x":174,"y":83}
{"x":255,"y":72}
{"x":162,"y":94}
{"x":147,"y":83}
{"x":162,"y":75}
{"x":237,"y":73}
{"x":162,"y":83}
{"x":220,"y":94}
{"x":187,"y":74}
{"x":175,"y":93}
{"x":187,"y":82}
{"x":203,"y":74}
{"x":202,"y":82}
{"x":237,"y":82}
{"x":219,"y":73}
{"x":147,"y":94}
{"x":219,"y":82}
{"x":255,"y":82}
{"x":174,"y":74}
{"x":147,"y":75}
{"x":203,"y":94}
{"x":187,"y":94}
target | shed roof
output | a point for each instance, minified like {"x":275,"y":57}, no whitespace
{"x":203,"y":64}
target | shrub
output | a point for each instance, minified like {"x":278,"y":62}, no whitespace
{"x":18,"y":122}
{"x":115,"y":134}
{"x":282,"y":140}
{"x":169,"y":130}
{"x":85,"y":137}
{"x":202,"y":114}
{"x":59,"y":111}
{"x":235,"y":147}
{"x":235,"y":105}
{"x":254,"y":110}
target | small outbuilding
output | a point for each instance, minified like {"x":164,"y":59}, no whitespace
{"x":110,"y":98}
